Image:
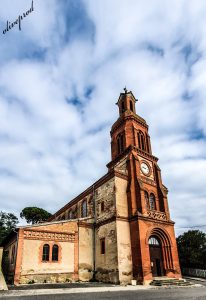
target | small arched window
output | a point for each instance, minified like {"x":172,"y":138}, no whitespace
{"x":84,"y":208}
{"x":152,"y":201}
{"x":45,"y":254}
{"x":131,"y":105}
{"x":146,"y":196}
{"x":55,"y":253}
{"x":154,"y":241}
{"x":141,"y":140}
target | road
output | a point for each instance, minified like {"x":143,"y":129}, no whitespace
{"x":197,"y":293}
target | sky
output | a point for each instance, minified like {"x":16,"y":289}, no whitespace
{"x":60,"y":77}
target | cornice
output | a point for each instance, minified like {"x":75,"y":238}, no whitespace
{"x":139,"y":216}
{"x":125,"y":117}
{"x":129,"y":149}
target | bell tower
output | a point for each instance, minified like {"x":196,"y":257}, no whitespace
{"x":146,"y":196}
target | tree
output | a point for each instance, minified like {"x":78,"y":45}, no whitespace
{"x":192,"y":249}
{"x":34,"y":214}
{"x":8,"y":222}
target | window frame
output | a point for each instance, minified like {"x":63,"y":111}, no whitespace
{"x":102,"y":246}
{"x":55,"y":246}
{"x":152,"y":201}
{"x":102,"y":206}
{"x":46,"y":256}
{"x":84,"y":208}
{"x":146,"y":199}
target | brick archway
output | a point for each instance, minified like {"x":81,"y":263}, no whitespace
{"x":165,"y":242}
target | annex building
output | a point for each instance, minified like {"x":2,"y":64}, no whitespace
{"x":117,"y":230}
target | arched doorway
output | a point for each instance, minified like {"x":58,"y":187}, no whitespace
{"x":156,"y":258}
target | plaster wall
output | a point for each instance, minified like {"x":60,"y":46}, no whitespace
{"x":124,"y":252}
{"x":121,"y":197}
{"x":85,"y":253}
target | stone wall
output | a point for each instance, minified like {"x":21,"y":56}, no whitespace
{"x":105,"y":194}
{"x":107,"y":264}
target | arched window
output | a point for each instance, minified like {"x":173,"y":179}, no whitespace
{"x":120,"y":143}
{"x":154,"y":241}
{"x":147,"y":143}
{"x":146,"y":196}
{"x":45,"y":254}
{"x":131,"y":105}
{"x":141,"y":140}
{"x":152,"y":201}
{"x":55,"y":253}
{"x":123,"y":107}
{"x":70,"y":214}
{"x":84,"y":208}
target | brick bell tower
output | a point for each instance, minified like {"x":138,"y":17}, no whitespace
{"x":153,"y":243}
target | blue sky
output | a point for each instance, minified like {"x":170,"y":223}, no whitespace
{"x":60,"y":77}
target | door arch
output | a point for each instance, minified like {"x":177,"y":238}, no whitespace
{"x":156,"y":258}
{"x":165,"y":244}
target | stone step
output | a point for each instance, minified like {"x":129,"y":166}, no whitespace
{"x":170,"y":282}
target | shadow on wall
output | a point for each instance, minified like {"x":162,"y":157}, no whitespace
{"x":3,"y":285}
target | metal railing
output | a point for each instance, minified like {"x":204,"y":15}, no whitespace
{"x":194,"y":272}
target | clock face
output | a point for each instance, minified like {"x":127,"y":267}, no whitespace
{"x":145,"y":168}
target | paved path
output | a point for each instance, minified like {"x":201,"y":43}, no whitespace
{"x":120,"y":293}
{"x":108,"y":292}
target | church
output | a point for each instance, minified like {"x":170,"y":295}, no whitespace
{"x":117,"y":230}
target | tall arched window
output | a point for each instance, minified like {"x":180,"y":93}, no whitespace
{"x":152,"y":201}
{"x":147,"y":143}
{"x":146,"y":196}
{"x":141,"y":140}
{"x":45,"y":254}
{"x":55,"y":253}
{"x":84,"y":208}
{"x":120,"y":143}
{"x":131,"y":105}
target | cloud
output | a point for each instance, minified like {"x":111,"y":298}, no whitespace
{"x":60,"y":78}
